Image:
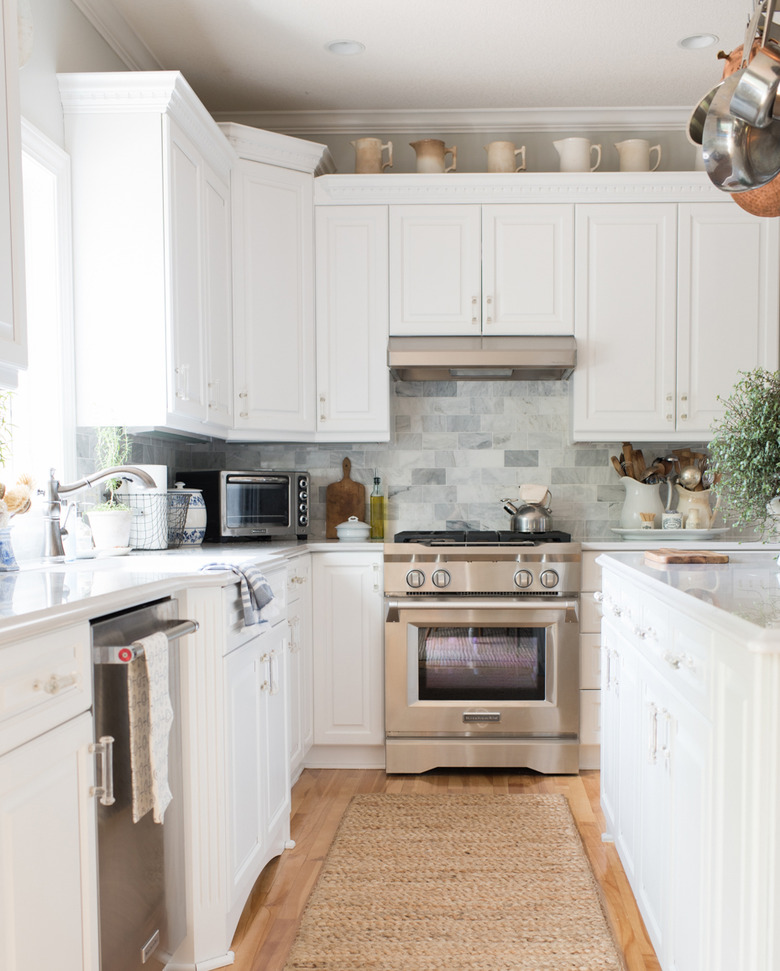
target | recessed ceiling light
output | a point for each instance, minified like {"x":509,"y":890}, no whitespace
{"x":697,"y":41}
{"x":345,"y":47}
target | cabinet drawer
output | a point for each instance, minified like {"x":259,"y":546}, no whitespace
{"x":590,"y":717}
{"x":44,"y":681}
{"x":590,"y":614}
{"x":591,"y":572}
{"x":590,"y":660}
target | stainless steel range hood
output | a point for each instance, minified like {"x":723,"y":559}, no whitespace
{"x":481,"y":358}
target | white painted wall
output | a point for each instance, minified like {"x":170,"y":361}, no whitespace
{"x":63,"y":41}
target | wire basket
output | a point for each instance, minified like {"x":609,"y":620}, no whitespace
{"x":178,"y":504}
{"x":149,"y":525}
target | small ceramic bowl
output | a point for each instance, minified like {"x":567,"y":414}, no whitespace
{"x":353,"y":529}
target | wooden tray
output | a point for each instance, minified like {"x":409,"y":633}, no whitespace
{"x":666,"y":555}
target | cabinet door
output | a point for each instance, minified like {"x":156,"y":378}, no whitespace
{"x":727,"y":306}
{"x":273,"y":300}
{"x":13,"y":329}
{"x":299,"y":662}
{"x":349,"y":701}
{"x":435,"y":268}
{"x":244,"y":732}
{"x":276,"y":764}
{"x":187,"y":394}
{"x":217,"y":299}
{"x":48,"y":894}
{"x":625,"y":303}
{"x":353,"y":382}
{"x":528,"y":269}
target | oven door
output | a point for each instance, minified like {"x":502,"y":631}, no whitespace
{"x":257,"y":505}
{"x":481,"y":668}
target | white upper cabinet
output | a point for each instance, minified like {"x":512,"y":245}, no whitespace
{"x":472,"y":270}
{"x":727,"y":306}
{"x":672,"y":301}
{"x":13,"y":328}
{"x":273,"y":278}
{"x":435,"y":270}
{"x":353,"y":382}
{"x":151,"y":186}
{"x":625,"y":312}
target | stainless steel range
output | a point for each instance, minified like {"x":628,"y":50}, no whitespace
{"x":482,"y":651}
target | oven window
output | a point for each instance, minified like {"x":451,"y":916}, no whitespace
{"x":481,"y":663}
{"x":256,"y":504}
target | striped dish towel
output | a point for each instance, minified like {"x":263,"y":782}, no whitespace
{"x":256,"y":592}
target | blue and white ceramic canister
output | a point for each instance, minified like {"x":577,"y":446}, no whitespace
{"x":195,"y":525}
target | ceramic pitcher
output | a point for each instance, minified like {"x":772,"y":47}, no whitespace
{"x":634,"y":154}
{"x":502,"y":157}
{"x":575,"y":154}
{"x":695,"y":503}
{"x":640,"y":497}
{"x":368,"y":155}
{"x":431,"y":155}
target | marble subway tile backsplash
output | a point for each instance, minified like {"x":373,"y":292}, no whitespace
{"x":458,"y":448}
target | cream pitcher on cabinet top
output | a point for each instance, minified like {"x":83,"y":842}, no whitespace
{"x":575,"y":154}
{"x":368,"y":155}
{"x":431,"y":154}
{"x":635,"y":155}
{"x":502,"y":157}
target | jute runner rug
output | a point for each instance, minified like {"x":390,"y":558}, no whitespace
{"x":455,"y":882}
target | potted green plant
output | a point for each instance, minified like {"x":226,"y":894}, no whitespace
{"x":745,"y":450}
{"x":111,"y":519}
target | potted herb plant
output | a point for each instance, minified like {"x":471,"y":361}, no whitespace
{"x":745,"y":450}
{"x":111,"y":519}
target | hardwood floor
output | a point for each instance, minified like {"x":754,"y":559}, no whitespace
{"x":269,"y":922}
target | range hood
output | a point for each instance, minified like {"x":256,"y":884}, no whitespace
{"x":481,"y":358}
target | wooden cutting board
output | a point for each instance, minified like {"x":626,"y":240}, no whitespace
{"x":665,"y":555}
{"x":342,"y":500}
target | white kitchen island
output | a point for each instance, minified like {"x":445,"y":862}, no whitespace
{"x":690,"y":754}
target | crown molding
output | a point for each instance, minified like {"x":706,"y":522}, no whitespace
{"x":433,"y":121}
{"x":544,"y":187}
{"x":118,"y":34}
{"x":147,"y":91}
{"x":275,"y":149}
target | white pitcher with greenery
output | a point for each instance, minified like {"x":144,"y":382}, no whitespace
{"x":110,"y":521}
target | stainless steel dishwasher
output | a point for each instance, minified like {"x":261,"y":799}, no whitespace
{"x":140,"y":865}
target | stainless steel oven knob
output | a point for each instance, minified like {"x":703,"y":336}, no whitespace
{"x":524,"y":578}
{"x":441,"y":578}
{"x":415,"y":578}
{"x":549,"y":578}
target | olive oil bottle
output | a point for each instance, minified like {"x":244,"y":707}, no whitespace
{"x":376,"y":510}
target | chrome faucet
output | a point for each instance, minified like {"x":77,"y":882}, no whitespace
{"x":52,"y":536}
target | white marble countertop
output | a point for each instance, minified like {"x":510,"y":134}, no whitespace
{"x":741,"y":596}
{"x":43,"y":595}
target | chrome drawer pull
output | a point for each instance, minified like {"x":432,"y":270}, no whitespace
{"x":104,"y":747}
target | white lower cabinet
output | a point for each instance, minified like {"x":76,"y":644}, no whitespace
{"x":48,"y":848}
{"x":257,"y":768}
{"x":687,"y":750}
{"x":299,"y":661}
{"x":348,"y":660}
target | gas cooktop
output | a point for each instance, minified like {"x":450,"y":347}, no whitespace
{"x":479,"y":537}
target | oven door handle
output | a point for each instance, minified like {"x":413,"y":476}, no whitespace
{"x":392,"y":607}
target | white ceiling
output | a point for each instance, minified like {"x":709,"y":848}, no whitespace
{"x":269,"y":55}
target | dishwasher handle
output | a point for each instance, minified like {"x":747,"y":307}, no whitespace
{"x":124,"y":653}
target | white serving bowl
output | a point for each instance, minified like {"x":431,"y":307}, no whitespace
{"x":353,"y":529}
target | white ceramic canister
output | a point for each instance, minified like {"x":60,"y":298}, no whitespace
{"x":353,"y":529}
{"x":195,"y":524}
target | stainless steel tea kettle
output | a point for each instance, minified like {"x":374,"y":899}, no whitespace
{"x":529,"y":517}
